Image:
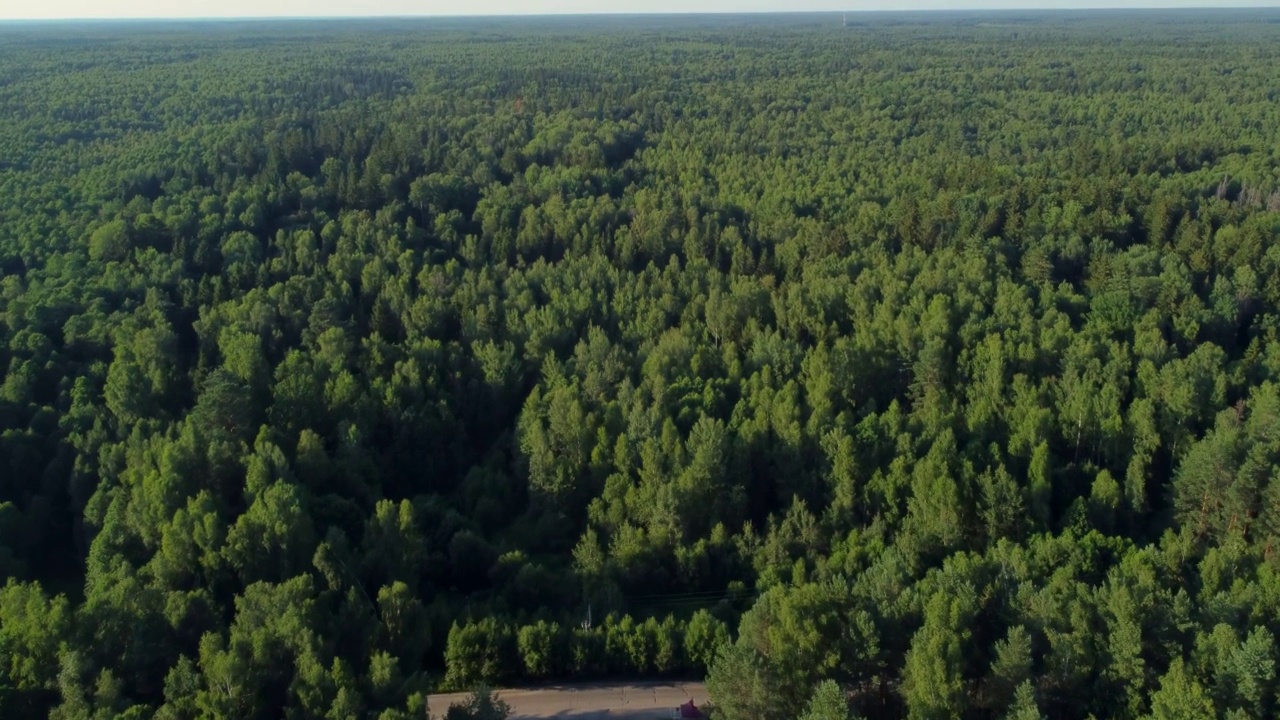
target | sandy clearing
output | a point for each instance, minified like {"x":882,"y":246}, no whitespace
{"x":631,"y":701}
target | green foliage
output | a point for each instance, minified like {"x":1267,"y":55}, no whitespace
{"x":541,"y":649}
{"x":33,"y":631}
{"x":932,"y":681}
{"x":1180,"y":697}
{"x":743,"y":686}
{"x":1024,"y":704}
{"x":109,"y":242}
{"x":703,"y":639}
{"x":828,"y":702}
{"x":1012,"y":668}
{"x":480,"y":653}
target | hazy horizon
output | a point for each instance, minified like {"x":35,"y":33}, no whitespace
{"x":254,"y":9}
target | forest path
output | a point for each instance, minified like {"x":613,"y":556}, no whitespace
{"x":590,"y":701}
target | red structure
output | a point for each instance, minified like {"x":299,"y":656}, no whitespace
{"x":689,"y":710}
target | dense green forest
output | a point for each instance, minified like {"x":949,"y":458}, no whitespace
{"x":908,"y":366}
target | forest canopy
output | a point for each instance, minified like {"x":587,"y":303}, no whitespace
{"x":897,"y":366}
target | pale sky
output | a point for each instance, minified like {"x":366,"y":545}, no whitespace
{"x":42,"y":9}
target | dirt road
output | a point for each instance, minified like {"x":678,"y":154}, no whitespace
{"x":635,"y":701}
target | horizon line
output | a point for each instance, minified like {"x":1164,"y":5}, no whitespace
{"x":639,"y":13}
